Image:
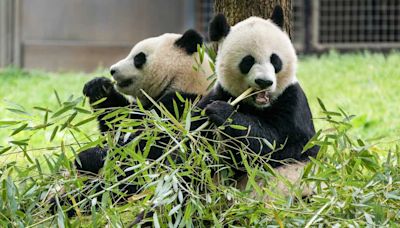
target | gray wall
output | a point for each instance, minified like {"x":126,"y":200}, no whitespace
{"x":7,"y":32}
{"x":85,"y":34}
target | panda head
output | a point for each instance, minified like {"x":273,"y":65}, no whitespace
{"x":162,"y":64}
{"x":254,"y":53}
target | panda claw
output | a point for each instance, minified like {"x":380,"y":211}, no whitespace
{"x":218,"y":112}
{"x":216,"y":119}
{"x":98,"y":88}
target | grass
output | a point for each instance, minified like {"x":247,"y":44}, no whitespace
{"x":25,"y":90}
{"x":357,"y":172}
{"x":362,"y":84}
{"x":35,"y":88}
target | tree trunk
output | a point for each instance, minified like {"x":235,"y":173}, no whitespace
{"x":238,"y":10}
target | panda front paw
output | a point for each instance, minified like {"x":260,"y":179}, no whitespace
{"x":90,"y":161}
{"x":98,"y":88}
{"x":53,"y":209}
{"x":218,"y":112}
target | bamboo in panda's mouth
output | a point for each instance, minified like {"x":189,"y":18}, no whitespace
{"x":242,"y":96}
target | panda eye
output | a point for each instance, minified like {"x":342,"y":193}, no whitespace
{"x":246,"y":64}
{"x":276,"y":62}
{"x":139,"y":60}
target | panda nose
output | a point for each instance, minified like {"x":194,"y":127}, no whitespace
{"x":113,"y":71}
{"x":263,"y":83}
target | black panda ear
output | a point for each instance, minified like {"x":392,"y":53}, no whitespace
{"x":219,"y":27}
{"x":277,"y":16}
{"x":189,"y":41}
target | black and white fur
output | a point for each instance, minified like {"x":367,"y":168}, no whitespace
{"x":161,"y":66}
{"x":257,"y":53}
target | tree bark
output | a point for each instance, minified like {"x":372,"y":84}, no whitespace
{"x":238,"y":10}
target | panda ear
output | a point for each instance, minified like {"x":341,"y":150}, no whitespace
{"x":219,"y":28}
{"x":277,"y":16}
{"x":189,"y":41}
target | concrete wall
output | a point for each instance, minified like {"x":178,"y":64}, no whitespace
{"x":7,"y":32}
{"x":85,"y":34}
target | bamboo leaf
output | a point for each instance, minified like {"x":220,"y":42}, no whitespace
{"x":179,"y":96}
{"x":42,"y":109}
{"x":23,"y":142}
{"x":4,"y":150}
{"x":155,"y":220}
{"x":53,"y":134}
{"x":18,"y":111}
{"x":99,"y":101}
{"x":85,"y":121}
{"x":19,"y":129}
{"x":238,"y":127}
{"x":42,"y":126}
{"x":61,"y":111}
{"x":58,"y":98}
{"x":6,"y":123}
{"x":174,"y":209}
{"x":82,"y":110}
{"x":68,"y":121}
{"x":321,"y":104}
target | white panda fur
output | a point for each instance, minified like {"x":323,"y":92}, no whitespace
{"x":247,"y":36}
{"x":166,"y":63}
{"x":167,"y":68}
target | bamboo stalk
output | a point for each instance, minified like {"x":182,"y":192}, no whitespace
{"x":243,"y":96}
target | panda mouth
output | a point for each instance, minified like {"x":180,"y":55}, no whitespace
{"x":262,"y":97}
{"x":125,"y":83}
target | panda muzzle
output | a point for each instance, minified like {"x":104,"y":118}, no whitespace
{"x":124,"y":83}
{"x":262,"y":98}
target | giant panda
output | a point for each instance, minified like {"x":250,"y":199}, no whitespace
{"x":256,"y":53}
{"x":160,"y":66}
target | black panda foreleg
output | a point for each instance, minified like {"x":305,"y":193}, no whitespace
{"x":222,"y":113}
{"x":90,"y":161}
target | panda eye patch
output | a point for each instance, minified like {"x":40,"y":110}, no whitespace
{"x":246,"y":64}
{"x":139,"y":60}
{"x":276,"y":62}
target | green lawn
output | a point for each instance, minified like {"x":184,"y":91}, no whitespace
{"x":365,"y":85}
{"x":357,"y":171}
{"x":24,"y":90}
